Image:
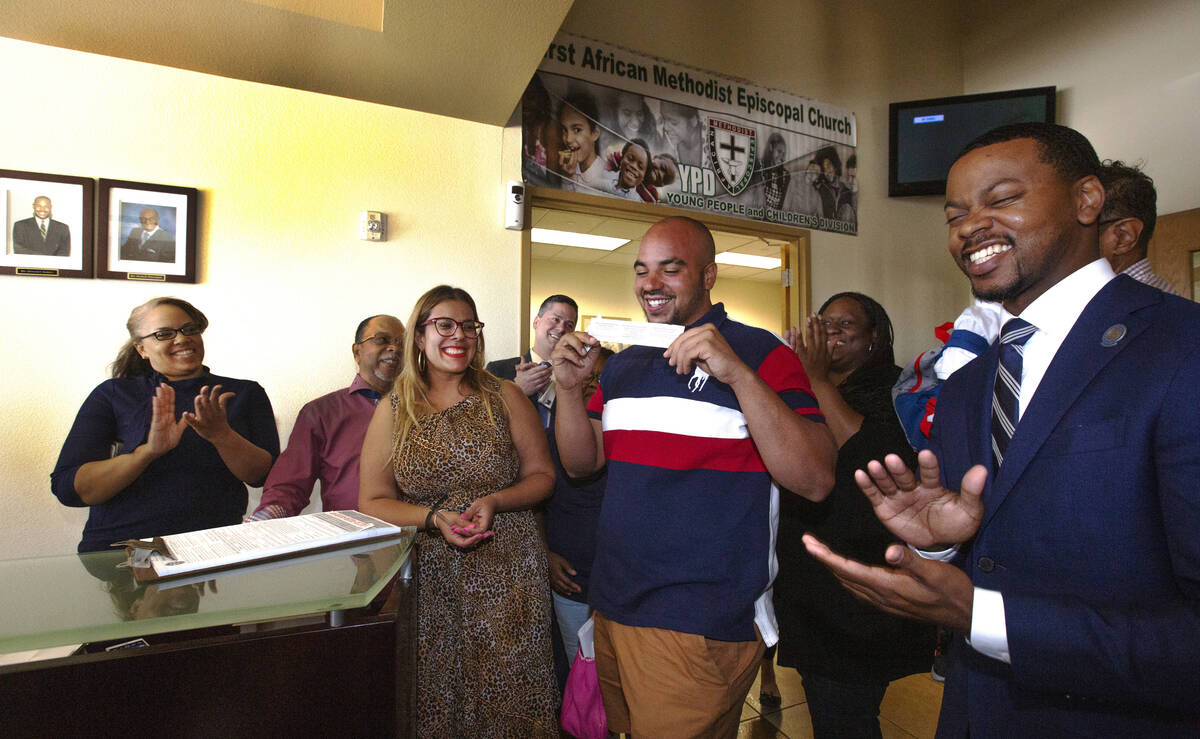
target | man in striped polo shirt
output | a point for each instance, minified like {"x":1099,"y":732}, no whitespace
{"x":695,"y":439}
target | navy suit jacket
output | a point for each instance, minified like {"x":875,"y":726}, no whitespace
{"x":506,"y":369}
{"x":27,"y":238}
{"x":1091,"y":530}
{"x":160,"y":247}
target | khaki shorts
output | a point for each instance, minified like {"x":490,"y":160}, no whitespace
{"x":660,"y":683}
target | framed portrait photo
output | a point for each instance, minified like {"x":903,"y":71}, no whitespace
{"x":47,"y":223}
{"x":147,"y":232}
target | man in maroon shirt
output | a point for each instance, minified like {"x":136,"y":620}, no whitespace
{"x":328,"y":434}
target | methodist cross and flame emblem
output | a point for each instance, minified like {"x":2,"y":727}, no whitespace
{"x":732,"y":152}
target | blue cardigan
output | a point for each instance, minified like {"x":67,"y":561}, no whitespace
{"x":186,"y":489}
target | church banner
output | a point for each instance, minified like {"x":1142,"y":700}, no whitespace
{"x":604,"y":120}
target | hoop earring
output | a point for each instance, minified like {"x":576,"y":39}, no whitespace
{"x":422,"y":362}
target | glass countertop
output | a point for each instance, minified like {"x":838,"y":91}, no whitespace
{"x":78,"y":598}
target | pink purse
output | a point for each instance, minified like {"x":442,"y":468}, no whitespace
{"x":583,"y":709}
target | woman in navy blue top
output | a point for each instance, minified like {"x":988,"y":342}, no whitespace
{"x":164,"y":446}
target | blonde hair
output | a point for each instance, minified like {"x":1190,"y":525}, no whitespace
{"x":412,"y":386}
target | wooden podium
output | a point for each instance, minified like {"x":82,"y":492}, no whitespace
{"x":232,"y":660}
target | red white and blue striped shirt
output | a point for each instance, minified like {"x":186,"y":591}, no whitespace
{"x":686,"y":539}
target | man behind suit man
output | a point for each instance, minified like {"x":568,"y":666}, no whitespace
{"x":556,"y":316}
{"x":1127,"y":222}
{"x":1078,"y":560}
{"x":41,"y":234}
{"x":148,"y":242}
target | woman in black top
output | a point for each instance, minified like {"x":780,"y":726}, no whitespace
{"x":164,"y":446}
{"x":846,"y":650}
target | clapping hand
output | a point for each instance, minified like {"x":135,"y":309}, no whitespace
{"x":919,"y":510}
{"x":208,"y":416}
{"x":811,"y":345}
{"x":911,"y":586}
{"x":165,"y":430}
{"x":532,"y":377}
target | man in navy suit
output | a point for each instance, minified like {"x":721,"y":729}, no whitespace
{"x":41,"y":234}
{"x":556,"y":316}
{"x":1075,"y":535}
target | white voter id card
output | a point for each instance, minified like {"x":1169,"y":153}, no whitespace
{"x":637,"y":333}
{"x":643,"y":334}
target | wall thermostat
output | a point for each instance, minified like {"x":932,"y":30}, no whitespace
{"x":372,"y":226}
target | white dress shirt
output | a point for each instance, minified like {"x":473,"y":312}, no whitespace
{"x":546,"y":397}
{"x":1054,"y":314}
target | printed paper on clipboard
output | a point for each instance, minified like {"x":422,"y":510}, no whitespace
{"x":256,"y":541}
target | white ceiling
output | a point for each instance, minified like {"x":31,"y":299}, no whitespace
{"x":624,"y":255}
{"x":467,"y":59}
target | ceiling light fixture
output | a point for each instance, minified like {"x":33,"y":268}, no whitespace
{"x":570,"y":238}
{"x":748,"y":260}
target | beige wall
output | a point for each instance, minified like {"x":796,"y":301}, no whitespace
{"x":283,"y":175}
{"x":1128,"y":76}
{"x":860,"y":56}
{"x":284,"y":280}
{"x":608,"y":291}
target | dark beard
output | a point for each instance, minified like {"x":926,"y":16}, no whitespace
{"x":1006,"y":293}
{"x":999,"y":296}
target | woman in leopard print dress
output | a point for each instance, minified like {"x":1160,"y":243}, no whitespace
{"x":463,"y":456}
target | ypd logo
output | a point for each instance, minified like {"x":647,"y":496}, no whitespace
{"x":732,"y":150}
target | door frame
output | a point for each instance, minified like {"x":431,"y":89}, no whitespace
{"x":795,"y":256}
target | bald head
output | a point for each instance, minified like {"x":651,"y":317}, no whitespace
{"x":149,"y":219}
{"x":687,"y":233}
{"x":41,"y":207}
{"x":675,"y":270}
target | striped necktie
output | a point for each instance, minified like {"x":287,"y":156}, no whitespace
{"x":1007,"y":393}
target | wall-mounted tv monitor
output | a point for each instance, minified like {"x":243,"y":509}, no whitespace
{"x":926,"y":135}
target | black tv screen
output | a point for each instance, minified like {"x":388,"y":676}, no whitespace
{"x":926,"y":135}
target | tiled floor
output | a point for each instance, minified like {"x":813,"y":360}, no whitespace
{"x":909,"y":710}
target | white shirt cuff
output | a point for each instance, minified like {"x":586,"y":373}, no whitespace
{"x":940,"y":555}
{"x":989,"y":631}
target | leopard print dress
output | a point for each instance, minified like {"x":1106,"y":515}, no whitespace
{"x":483,"y":615}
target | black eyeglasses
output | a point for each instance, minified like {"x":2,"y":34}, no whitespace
{"x":166,"y":334}
{"x":383,"y":340}
{"x":447,"y":326}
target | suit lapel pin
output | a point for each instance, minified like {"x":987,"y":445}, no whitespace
{"x":1113,"y":335}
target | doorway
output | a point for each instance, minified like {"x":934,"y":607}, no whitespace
{"x":768,"y":286}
